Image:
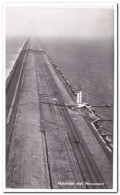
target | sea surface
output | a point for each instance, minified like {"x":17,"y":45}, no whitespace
{"x":13,"y":48}
{"x":87,"y":64}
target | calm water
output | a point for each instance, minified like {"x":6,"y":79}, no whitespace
{"x":87,"y":64}
{"x":13,"y":48}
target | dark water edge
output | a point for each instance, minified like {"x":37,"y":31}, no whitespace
{"x":87,"y":64}
{"x":13,"y":48}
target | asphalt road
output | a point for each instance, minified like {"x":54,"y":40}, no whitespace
{"x":48,"y":146}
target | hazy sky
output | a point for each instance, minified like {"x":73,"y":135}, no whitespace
{"x":88,"y":23}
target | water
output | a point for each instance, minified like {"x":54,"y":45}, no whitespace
{"x":13,"y":48}
{"x":87,"y":64}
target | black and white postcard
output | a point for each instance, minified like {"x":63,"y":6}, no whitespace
{"x":60,"y":79}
